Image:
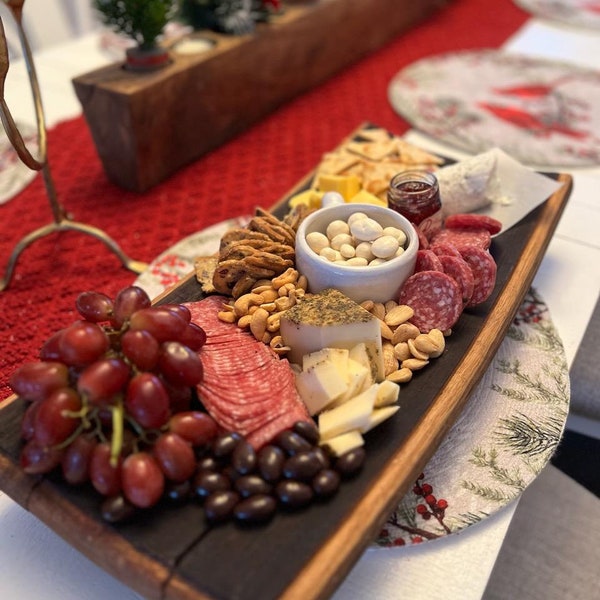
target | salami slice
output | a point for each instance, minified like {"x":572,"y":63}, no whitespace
{"x":473,"y":221}
{"x":464,"y":238}
{"x":427,"y":261}
{"x":461,"y":272}
{"x":443,"y":249}
{"x":484,"y":269}
{"x":246,"y":387}
{"x":423,"y":241}
{"x":435,"y":298}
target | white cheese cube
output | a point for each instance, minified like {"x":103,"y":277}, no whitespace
{"x":379,"y":415}
{"x":344,"y":443}
{"x":353,"y":414}
{"x":319,"y":385}
{"x":360,"y":354}
{"x":331,"y":320}
{"x":337,"y":355}
{"x":387,"y":393}
{"x":358,"y":380}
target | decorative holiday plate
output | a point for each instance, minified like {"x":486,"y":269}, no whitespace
{"x":504,"y":437}
{"x":580,"y":13}
{"x":538,"y":111}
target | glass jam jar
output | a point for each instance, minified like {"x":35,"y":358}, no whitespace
{"x":416,"y":196}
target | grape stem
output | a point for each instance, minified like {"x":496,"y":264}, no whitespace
{"x":116,"y":442}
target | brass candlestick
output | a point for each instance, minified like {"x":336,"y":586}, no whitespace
{"x":62,"y":221}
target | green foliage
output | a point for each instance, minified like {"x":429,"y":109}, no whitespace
{"x":141,"y":20}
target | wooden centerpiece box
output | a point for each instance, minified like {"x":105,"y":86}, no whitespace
{"x":146,"y":126}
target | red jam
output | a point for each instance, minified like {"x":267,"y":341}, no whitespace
{"x":416,"y":195}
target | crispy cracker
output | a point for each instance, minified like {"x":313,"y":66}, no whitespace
{"x":204,"y":267}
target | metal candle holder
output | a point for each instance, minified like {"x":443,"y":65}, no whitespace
{"x":62,"y":221}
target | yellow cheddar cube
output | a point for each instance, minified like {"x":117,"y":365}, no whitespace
{"x":364,"y":197}
{"x":347,"y":185}
{"x":310,"y":198}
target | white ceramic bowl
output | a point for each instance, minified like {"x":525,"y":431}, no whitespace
{"x":379,"y":283}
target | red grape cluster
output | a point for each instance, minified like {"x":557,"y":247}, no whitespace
{"x":110,"y":400}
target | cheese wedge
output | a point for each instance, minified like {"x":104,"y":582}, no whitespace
{"x":331,"y":320}
{"x":339,"y":356}
{"x":378,"y":416}
{"x":358,"y":379}
{"x":320,"y":384}
{"x":344,"y":443}
{"x":387,"y":393}
{"x":353,"y":414}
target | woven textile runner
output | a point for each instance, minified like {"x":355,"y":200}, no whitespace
{"x":256,"y":168}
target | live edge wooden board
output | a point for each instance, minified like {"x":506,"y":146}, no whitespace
{"x":169,"y":552}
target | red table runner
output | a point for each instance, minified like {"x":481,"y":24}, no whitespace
{"x":256,"y":168}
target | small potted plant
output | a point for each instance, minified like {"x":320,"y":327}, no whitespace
{"x":143,"y":21}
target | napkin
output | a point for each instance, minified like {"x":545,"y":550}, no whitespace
{"x":494,"y":184}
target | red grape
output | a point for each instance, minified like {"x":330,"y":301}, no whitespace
{"x":142,"y":480}
{"x":193,"y":336}
{"x":94,"y":306}
{"x":36,"y":460}
{"x":180,"y":365}
{"x":147,"y":401}
{"x":103,"y":395}
{"x":103,"y":379}
{"x":28,"y":421}
{"x":128,"y":301}
{"x":162,"y":323}
{"x":37,"y":380}
{"x":82,"y":343}
{"x":141,"y":348}
{"x":76,"y":460}
{"x":179,"y":309}
{"x":50,"y":350}
{"x":180,"y":396}
{"x":196,"y":427}
{"x":52,"y":425}
{"x":175,"y":457}
{"x":105,"y":477}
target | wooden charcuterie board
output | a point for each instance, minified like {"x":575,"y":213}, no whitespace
{"x":169,"y":552}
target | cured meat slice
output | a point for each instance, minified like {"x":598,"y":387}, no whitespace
{"x":461,"y":272}
{"x":436,"y":299}
{"x":246,"y":387}
{"x":443,"y":249}
{"x":484,"y":269}
{"x":473,"y":221}
{"x":463,"y":238}
{"x":423,"y":241}
{"x":427,"y":261}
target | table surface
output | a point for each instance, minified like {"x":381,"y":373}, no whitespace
{"x":34,"y":562}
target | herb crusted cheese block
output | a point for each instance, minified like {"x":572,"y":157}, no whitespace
{"x":330,"y":319}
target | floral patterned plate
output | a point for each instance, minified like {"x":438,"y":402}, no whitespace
{"x":580,"y":13}
{"x":504,"y":437}
{"x":540,"y":112}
